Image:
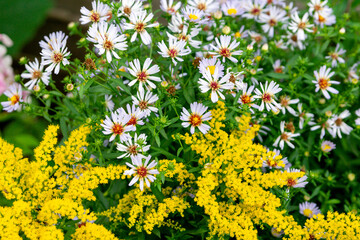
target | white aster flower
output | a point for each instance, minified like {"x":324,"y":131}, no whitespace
{"x":54,"y":52}
{"x":267,"y":96}
{"x":324,"y":126}
{"x":208,"y":6}
{"x":334,"y":57}
{"x":247,"y":98}
{"x":143,"y":76}
{"x":275,"y":160}
{"x":109,"y":103}
{"x":303,"y":115}
{"x":116,"y":126}
{"x":256,"y":38}
{"x":135,"y":114}
{"x":194,"y":15}
{"x":232,"y":8}
{"x":139,"y":22}
{"x":309,"y":209}
{"x":327,"y":146}
{"x":339,"y":126}
{"x":225,"y":49}
{"x":295,"y":42}
{"x":129,"y":6}
{"x":58,"y":38}
{"x":242,"y":33}
{"x":285,"y":102}
{"x":142,"y":171}
{"x":277,"y":67}
{"x":176,"y":49}
{"x":187,"y":35}
{"x":300,"y":25}
{"x":285,"y":137}
{"x":196,"y":117}
{"x":216,"y":86}
{"x":323,"y":81}
{"x":211,"y":64}
{"x":98,"y":13}
{"x":14,"y":94}
{"x":253,"y":8}
{"x":145,"y":101}
{"x":133,"y":148}
{"x":316,"y":6}
{"x":352,"y":73}
{"x":324,"y":17}
{"x":170,"y":6}
{"x":35,"y":74}
{"x":298,"y":182}
{"x":271,"y":19}
{"x":107,"y":39}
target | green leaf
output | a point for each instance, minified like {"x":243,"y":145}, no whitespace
{"x":20,"y":18}
{"x":158,"y":194}
{"x":63,"y":127}
{"x":278,"y":75}
{"x":333,"y":201}
{"x":157,"y":139}
{"x":84,"y":88}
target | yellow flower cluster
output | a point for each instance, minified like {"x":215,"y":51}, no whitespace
{"x":334,"y":226}
{"x":49,"y":188}
{"x":232,"y":188}
{"x":93,"y":231}
{"x":173,"y":169}
{"x":144,"y":211}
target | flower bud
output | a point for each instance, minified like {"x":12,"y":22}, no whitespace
{"x":226,"y":30}
{"x":36,"y":88}
{"x":342,"y":31}
{"x":218,"y":14}
{"x":70,"y":87}
{"x":71,"y":26}
{"x":23,"y":60}
{"x":351,"y":177}
{"x":322,"y":101}
{"x":250,"y":47}
{"x":265,"y":47}
{"x":328,"y":113}
{"x":164,"y":83}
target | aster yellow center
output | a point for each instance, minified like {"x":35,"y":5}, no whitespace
{"x":14,"y":99}
{"x":308,"y":212}
{"x":193,"y":17}
{"x":231,"y":11}
{"x":212,"y":69}
{"x":195,"y":120}
{"x":326,"y":148}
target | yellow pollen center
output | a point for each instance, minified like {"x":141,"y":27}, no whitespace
{"x":308,"y":212}
{"x":326,"y":148}
{"x":141,"y":171}
{"x":195,"y":120}
{"x":245,"y":99}
{"x":118,"y":129}
{"x":321,"y":18}
{"x":108,"y":45}
{"x":193,"y":17}
{"x":14,"y":99}
{"x":212,"y":69}
{"x":36,"y":75}
{"x":94,"y":17}
{"x":324,"y":83}
{"x":231,"y":11}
